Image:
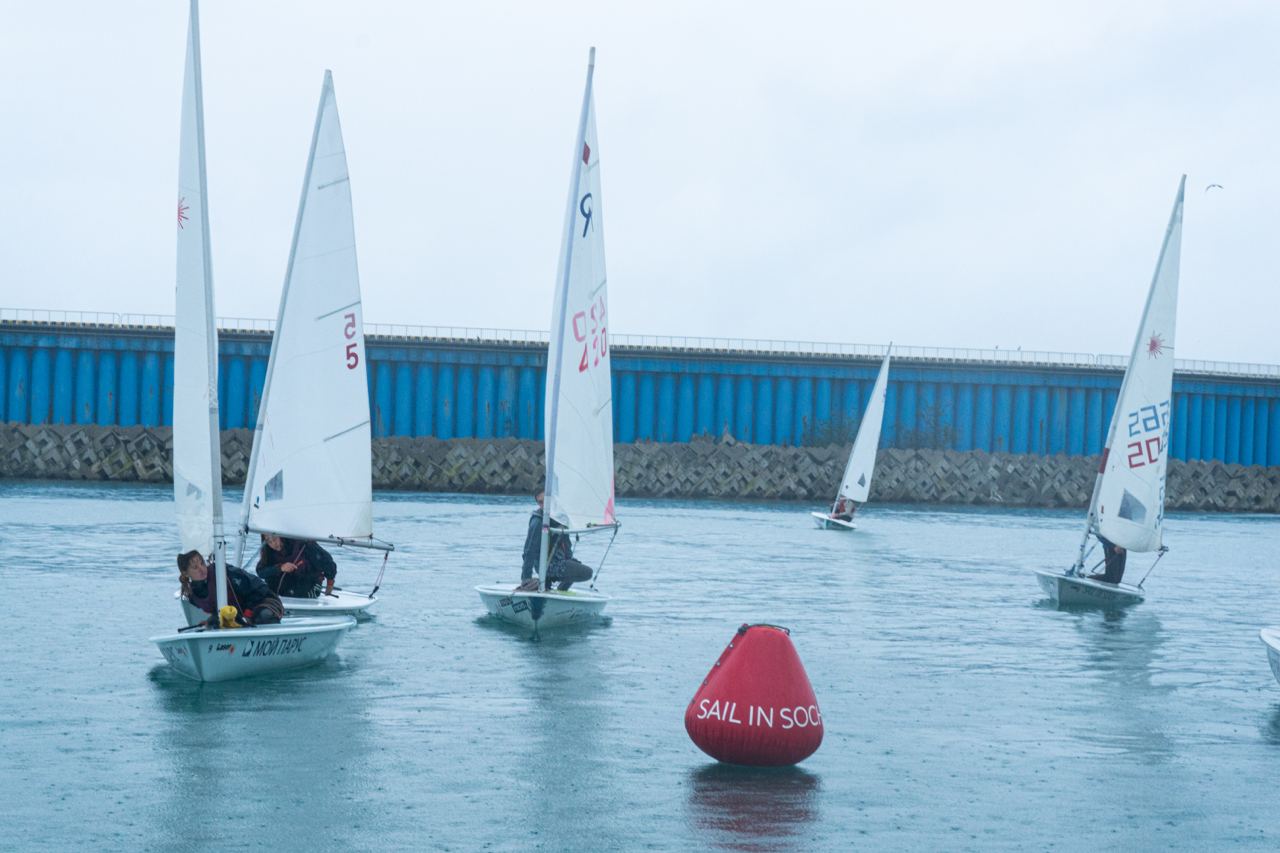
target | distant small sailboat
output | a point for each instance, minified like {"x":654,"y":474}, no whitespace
{"x":200,"y":653}
{"x":855,"y":485}
{"x":579,"y":402}
{"x":1127,"y":506}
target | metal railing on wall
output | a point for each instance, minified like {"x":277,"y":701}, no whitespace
{"x":764,"y":346}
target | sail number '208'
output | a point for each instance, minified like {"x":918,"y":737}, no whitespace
{"x":589,"y":330}
{"x":1146,"y":448}
{"x":349,"y":332}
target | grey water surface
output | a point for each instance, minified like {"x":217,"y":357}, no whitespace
{"x":961,"y":711}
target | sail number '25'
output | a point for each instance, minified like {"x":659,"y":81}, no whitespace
{"x":589,"y":330}
{"x":349,"y":332}
{"x":1145,"y":448}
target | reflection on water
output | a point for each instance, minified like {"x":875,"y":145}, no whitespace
{"x":753,"y":808}
{"x":288,"y":742}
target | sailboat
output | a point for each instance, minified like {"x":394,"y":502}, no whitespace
{"x":1127,"y":506}
{"x":213,"y":654}
{"x":579,"y":403}
{"x":855,"y":485}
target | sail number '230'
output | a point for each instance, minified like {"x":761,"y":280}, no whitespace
{"x":1144,"y":448}
{"x":589,"y":330}
{"x":349,"y":332}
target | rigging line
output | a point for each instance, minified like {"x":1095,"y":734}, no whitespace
{"x":600,"y":568}
{"x":378,"y":582}
{"x":1164,"y":549}
{"x":1083,"y":557}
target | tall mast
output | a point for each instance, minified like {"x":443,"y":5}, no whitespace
{"x":211,"y":331}
{"x":557,"y":339}
{"x":249,"y":484}
{"x":1092,"y":517}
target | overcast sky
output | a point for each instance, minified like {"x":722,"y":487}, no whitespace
{"x":935,"y":173}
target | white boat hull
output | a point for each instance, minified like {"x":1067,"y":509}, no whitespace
{"x":1083,"y":592}
{"x":542,"y":610}
{"x":1271,"y":639}
{"x":340,"y":603}
{"x":826,"y":522}
{"x":223,"y":655}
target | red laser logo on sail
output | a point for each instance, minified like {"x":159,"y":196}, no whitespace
{"x":586,"y":153}
{"x":182,"y":212}
{"x":1155,"y":346}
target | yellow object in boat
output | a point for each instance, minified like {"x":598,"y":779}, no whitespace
{"x":227,"y":617}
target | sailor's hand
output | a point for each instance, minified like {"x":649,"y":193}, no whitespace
{"x":288,"y":567}
{"x":328,"y":587}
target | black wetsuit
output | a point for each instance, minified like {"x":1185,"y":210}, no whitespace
{"x":1115,"y":558}
{"x":253,"y":598}
{"x":561,"y":566}
{"x":314,"y":566}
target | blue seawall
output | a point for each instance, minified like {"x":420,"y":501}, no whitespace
{"x":64,"y":373}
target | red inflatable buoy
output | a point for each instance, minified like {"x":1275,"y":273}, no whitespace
{"x":756,"y":706}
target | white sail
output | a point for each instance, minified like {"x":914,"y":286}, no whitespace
{"x":579,"y":407}
{"x":197,"y":459}
{"x":1128,"y":496}
{"x":310,"y":475}
{"x":856,"y":483}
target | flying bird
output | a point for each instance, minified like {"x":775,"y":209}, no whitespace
{"x":1211,"y":186}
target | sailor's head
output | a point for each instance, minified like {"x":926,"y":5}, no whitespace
{"x":539,"y":496}
{"x":191,"y":565}
{"x":272,"y":541}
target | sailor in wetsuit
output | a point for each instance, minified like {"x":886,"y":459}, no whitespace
{"x":295,"y":568}
{"x":256,"y":604}
{"x":1115,"y":557}
{"x":844,"y":510}
{"x":561,"y":566}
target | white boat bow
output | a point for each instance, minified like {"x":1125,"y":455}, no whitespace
{"x":539,"y":610}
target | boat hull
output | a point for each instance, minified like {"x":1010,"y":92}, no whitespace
{"x":224,"y":655}
{"x":825,"y":522}
{"x":1082,"y":592}
{"x":339,"y":603}
{"x":543,"y":610}
{"x":1271,"y":639}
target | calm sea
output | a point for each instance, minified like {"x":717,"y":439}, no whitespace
{"x":962,"y":712}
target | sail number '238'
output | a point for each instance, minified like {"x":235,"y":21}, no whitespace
{"x":349,"y":332}
{"x":1145,"y":447}
{"x":589,"y":330}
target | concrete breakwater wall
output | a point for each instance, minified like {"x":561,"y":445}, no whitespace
{"x":697,"y":469}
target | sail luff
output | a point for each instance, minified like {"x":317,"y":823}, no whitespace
{"x":554,"y":359}
{"x":249,"y":484}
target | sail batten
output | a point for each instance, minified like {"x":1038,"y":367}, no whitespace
{"x":310,"y":472}
{"x":855,"y":485}
{"x":1127,"y":506}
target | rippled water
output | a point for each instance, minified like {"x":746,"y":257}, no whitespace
{"x":961,"y":711}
